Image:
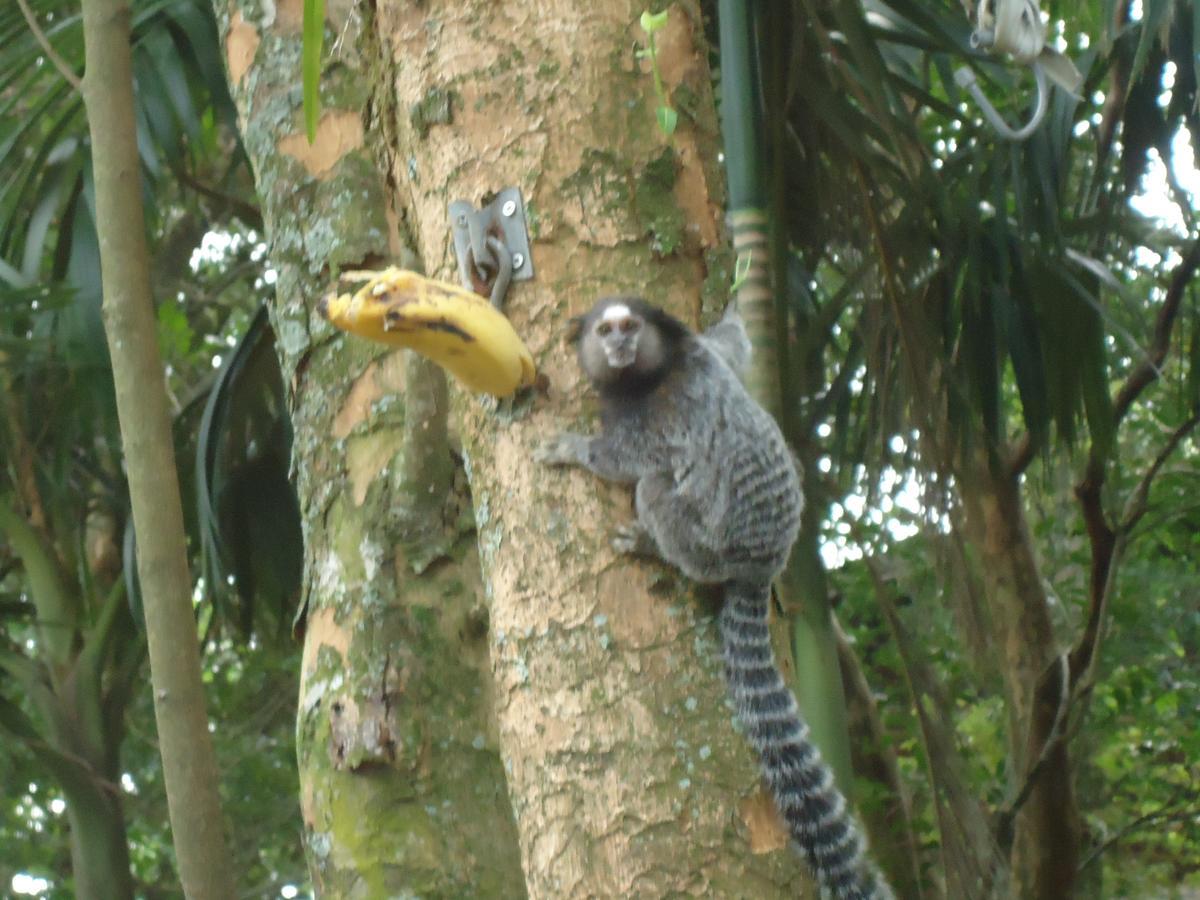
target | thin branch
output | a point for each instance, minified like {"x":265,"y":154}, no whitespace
{"x":1148,"y":369}
{"x":1115,"y":99}
{"x":1162,"y":814}
{"x":969,"y":852}
{"x":1006,"y":816}
{"x":1100,"y":533}
{"x":1103,"y":541}
{"x":1022,"y":455}
{"x":1181,"y":197}
{"x":51,"y":54}
{"x":1137,"y":504}
{"x":250,"y":214}
{"x":1086,"y":649}
{"x":896,"y":843}
{"x":73,"y":771}
{"x":821,"y":406}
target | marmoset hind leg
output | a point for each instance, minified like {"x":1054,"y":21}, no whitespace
{"x":673,"y":527}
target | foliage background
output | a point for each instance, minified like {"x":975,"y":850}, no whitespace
{"x":873,"y":119}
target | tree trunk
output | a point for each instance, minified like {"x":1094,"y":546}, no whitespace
{"x":189,"y":766}
{"x":402,"y":791}
{"x":624,"y":771}
{"x":625,"y":774}
{"x":78,"y":683}
{"x":99,"y":846}
{"x":1047,"y":836}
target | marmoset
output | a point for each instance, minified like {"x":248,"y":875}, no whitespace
{"x":717,"y":495}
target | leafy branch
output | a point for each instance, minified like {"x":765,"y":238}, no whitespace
{"x":667,"y":117}
{"x":51,"y":54}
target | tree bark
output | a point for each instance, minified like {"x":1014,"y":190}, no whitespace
{"x":401,"y":788}
{"x":1048,"y":828}
{"x":77,"y":676}
{"x":625,"y":774}
{"x":889,"y":819}
{"x":189,"y":766}
{"x":99,"y":845}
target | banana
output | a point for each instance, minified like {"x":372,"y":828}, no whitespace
{"x":456,"y":328}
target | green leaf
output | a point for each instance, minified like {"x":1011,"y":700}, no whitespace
{"x":1192,"y":384}
{"x":247,"y":512}
{"x":1153,"y":12}
{"x":310,"y":61}
{"x":12,"y":276}
{"x":1025,"y":353}
{"x":164,"y":57}
{"x":667,"y":120}
{"x":175,"y":335}
{"x":154,"y":104}
{"x":741,"y":270}
{"x":196,"y":33}
{"x":48,"y":202}
{"x":652,"y":22}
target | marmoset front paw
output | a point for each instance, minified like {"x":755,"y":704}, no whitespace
{"x":634,"y":540}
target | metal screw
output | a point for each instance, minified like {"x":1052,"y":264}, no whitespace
{"x":518,"y":260}
{"x":509,"y":207}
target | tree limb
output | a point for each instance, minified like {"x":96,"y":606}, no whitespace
{"x":1023,"y":452}
{"x":249,"y":213}
{"x":57,"y":606}
{"x":969,"y":853}
{"x":72,"y":771}
{"x":1163,"y":814}
{"x":190,"y":770}
{"x":51,"y":54}
{"x":1149,"y":368}
{"x":1084,"y":654}
{"x":1138,"y":503}
{"x":1100,"y":533}
{"x":1006,"y":816}
{"x":891,"y":824}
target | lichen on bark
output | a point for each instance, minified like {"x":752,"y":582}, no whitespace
{"x":401,"y":786}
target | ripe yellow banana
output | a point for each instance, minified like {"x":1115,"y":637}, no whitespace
{"x":456,"y":328}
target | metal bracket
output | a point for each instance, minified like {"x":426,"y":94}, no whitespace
{"x":479,"y":267}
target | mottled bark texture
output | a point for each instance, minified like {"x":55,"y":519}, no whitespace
{"x":624,"y":771}
{"x":401,"y":789}
{"x":625,"y":775}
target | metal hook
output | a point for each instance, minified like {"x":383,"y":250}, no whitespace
{"x":504,"y":271}
{"x":965,"y":78}
{"x":479,"y":247}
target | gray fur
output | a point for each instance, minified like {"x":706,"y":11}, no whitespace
{"x":717,"y":495}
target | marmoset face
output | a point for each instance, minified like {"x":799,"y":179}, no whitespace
{"x":619,"y":330}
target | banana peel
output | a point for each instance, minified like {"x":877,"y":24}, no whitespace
{"x":458,"y":329}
